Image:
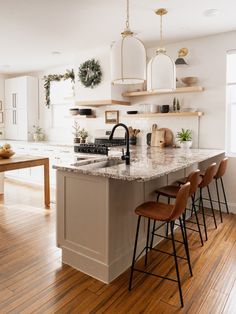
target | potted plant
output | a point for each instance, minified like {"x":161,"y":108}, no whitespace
{"x":38,"y":134}
{"x":76,"y":132}
{"x":185,"y":138}
{"x":83,"y":135}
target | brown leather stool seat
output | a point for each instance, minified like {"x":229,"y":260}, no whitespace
{"x":217,"y":177}
{"x":171,"y":191}
{"x":155,"y":211}
{"x":164,"y":213}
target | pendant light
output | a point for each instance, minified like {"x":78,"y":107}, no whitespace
{"x":161,"y":68}
{"x":180,"y":61}
{"x":128,"y":58}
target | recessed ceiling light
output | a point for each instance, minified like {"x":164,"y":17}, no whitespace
{"x":211,"y":12}
{"x":56,"y":53}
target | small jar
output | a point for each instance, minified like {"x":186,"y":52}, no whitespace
{"x":133,"y":140}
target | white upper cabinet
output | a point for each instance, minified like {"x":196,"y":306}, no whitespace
{"x":21,"y":107}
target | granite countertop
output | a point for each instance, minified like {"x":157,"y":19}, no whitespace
{"x":147,"y":163}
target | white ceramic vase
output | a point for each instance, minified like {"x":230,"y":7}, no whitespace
{"x":186,"y":144}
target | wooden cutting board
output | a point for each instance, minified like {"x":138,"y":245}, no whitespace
{"x":169,"y":136}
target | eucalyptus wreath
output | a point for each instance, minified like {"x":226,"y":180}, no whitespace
{"x":90,"y":73}
{"x":56,"y":77}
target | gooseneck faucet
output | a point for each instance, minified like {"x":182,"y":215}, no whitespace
{"x":126,"y":155}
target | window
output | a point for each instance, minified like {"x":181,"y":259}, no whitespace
{"x":61,"y":94}
{"x":231,"y":102}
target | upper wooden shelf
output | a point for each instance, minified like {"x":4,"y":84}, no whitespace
{"x":190,"y":89}
{"x":169,"y":114}
{"x":105,"y":102}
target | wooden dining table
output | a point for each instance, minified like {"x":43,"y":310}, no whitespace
{"x":27,"y":161}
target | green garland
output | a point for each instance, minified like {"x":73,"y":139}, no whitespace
{"x":90,"y":73}
{"x":56,"y":77}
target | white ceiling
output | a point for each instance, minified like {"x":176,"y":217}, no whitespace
{"x":31,"y":29}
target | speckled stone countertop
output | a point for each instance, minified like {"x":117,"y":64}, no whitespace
{"x":147,"y":163}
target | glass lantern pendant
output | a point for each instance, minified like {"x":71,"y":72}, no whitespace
{"x":128,"y":58}
{"x":161,"y":71}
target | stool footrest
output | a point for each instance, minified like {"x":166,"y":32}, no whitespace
{"x":194,"y":222}
{"x":171,"y":254}
{"x":148,"y":273}
{"x":188,"y":228}
{"x":164,"y":237}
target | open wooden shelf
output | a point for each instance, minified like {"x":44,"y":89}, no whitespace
{"x":78,"y":116}
{"x":169,"y":114}
{"x":190,"y":89}
{"x":105,"y":102}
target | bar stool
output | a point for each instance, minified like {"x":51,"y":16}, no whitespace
{"x":164,"y":213}
{"x":171,"y":191}
{"x":207,"y":178}
{"x":219,"y":177}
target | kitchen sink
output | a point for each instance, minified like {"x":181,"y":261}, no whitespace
{"x":102,"y":164}
{"x":111,"y":162}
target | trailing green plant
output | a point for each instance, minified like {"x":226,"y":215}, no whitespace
{"x":56,"y":77}
{"x":90,"y":73}
{"x":184,"y":135}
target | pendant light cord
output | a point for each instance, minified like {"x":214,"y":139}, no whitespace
{"x":127,"y":15}
{"x":161,"y":35}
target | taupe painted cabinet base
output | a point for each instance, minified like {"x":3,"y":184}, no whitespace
{"x":96,"y":222}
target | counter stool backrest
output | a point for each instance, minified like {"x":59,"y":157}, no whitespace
{"x":194,"y":179}
{"x":222,"y":168}
{"x":208,"y":176}
{"x":181,"y":201}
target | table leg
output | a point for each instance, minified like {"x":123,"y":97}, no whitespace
{"x":46,"y":185}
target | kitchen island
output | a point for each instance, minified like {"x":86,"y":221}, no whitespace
{"x":96,"y":199}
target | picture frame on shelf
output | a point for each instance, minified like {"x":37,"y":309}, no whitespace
{"x":111,"y":116}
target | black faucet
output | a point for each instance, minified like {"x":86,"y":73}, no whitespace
{"x":125,"y":156}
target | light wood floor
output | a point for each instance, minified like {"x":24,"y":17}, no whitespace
{"x":33,"y":280}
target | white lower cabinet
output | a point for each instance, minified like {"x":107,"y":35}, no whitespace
{"x":56,"y":155}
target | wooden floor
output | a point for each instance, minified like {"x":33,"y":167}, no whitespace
{"x":33,"y":280}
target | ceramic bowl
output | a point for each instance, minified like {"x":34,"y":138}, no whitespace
{"x":6,"y":154}
{"x":74,"y":111}
{"x":189,"y":80}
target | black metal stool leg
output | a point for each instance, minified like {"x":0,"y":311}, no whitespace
{"x":203,"y":214}
{"x":176,"y":262}
{"x":185,"y":240}
{"x":154,"y":227}
{"x":147,"y":242}
{"x":223,"y":189}
{"x":167,"y":224}
{"x":218,"y":197}
{"x":198,"y":225}
{"x":134,"y":254}
{"x":212,"y":209}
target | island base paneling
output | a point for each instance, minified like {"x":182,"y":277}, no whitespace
{"x":96,"y":222}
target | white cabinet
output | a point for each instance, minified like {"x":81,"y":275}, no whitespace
{"x":21,"y":107}
{"x":56,"y":155}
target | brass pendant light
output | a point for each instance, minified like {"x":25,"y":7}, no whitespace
{"x":161,"y":68}
{"x":128,"y":57}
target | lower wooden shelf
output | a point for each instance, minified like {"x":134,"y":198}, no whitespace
{"x":80,"y":116}
{"x":169,"y":114}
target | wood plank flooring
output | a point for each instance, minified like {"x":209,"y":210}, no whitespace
{"x":33,"y":280}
